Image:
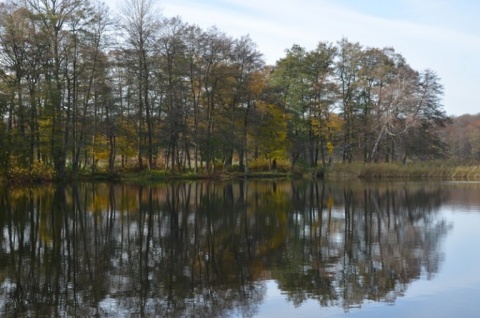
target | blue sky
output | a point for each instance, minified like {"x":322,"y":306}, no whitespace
{"x":442,"y":35}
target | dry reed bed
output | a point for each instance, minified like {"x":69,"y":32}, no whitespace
{"x":430,"y":170}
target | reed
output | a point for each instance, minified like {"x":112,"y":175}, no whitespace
{"x":424,"y":170}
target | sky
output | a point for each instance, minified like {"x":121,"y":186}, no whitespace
{"x":441,"y":35}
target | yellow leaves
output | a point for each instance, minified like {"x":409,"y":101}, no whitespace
{"x":330,"y":202}
{"x":330,"y":148}
{"x":44,"y":123}
{"x":335,"y":123}
{"x":327,"y":128}
{"x":99,"y":147}
{"x":126,"y":141}
{"x":39,"y":171}
{"x":257,"y":83}
{"x":45,"y":231}
{"x":271,"y":132}
{"x":331,"y":123}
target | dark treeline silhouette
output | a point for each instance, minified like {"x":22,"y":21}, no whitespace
{"x":206,"y":249}
{"x":81,"y":90}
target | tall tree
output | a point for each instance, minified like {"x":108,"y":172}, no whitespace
{"x":171,"y":51}
{"x":428,"y":117}
{"x":15,"y":37}
{"x":319,"y":69}
{"x":88,"y":66}
{"x":246,"y":87}
{"x":385,"y":81}
{"x":305,"y":83}
{"x":347,"y":69}
{"x":293,"y":90}
{"x":215,"y":48}
{"x":194,"y":76}
{"x":57,"y":21}
{"x":141,"y":21}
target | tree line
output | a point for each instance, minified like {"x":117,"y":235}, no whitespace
{"x":81,"y":90}
{"x":463,"y":138}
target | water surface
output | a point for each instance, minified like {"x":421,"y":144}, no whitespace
{"x":241,"y":249}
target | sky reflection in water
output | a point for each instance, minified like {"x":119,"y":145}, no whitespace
{"x":453,"y":292}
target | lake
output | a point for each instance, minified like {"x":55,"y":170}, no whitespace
{"x":241,"y":249}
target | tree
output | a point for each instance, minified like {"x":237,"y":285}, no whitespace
{"x":41,"y":40}
{"x":319,"y":68}
{"x":171,"y":51}
{"x":462,"y":138}
{"x":271,"y":131}
{"x":377,"y":71}
{"x":257,"y":88}
{"x":53,"y":18}
{"x":88,"y":84}
{"x":348,"y":67}
{"x":293,"y":87}
{"x":387,"y":84}
{"x":215,"y":49}
{"x":430,"y":117}
{"x":248,"y":82}
{"x":305,"y":83}
{"x":171,"y":90}
{"x":194,"y":76}
{"x":22,"y":54}
{"x":141,"y":21}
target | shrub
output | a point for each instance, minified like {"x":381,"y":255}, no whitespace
{"x":262,"y":164}
{"x":40,"y":171}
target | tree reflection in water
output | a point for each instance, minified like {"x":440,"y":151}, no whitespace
{"x":206,"y":249}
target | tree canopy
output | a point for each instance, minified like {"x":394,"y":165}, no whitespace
{"x":164,"y":94}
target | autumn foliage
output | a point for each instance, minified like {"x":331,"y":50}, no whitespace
{"x":77,"y":97}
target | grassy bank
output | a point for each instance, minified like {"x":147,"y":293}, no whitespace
{"x":142,"y":176}
{"x":156,"y":175}
{"x":411,"y":171}
{"x":336,"y":172}
{"x":339,"y":171}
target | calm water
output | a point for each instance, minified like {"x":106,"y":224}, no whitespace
{"x":241,"y":249}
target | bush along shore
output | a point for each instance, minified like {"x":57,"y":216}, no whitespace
{"x":336,"y":172}
{"x":260,"y":169}
{"x":146,"y":176}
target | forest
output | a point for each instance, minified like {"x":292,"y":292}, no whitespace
{"x":84,"y":90}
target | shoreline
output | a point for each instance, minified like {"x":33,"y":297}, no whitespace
{"x":355,"y":171}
